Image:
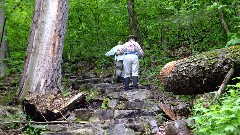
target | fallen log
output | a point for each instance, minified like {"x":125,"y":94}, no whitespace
{"x":51,"y":106}
{"x":201,"y":73}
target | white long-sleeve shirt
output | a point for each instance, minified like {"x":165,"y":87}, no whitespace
{"x":113,"y":52}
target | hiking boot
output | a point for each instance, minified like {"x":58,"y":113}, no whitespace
{"x":135,"y":82}
{"x":126,"y":83}
{"x":122,"y":80}
{"x":119,"y":79}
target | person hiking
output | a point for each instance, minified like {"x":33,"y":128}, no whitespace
{"x":132,"y":51}
{"x":118,"y":61}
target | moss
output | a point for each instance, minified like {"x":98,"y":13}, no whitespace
{"x":92,"y":94}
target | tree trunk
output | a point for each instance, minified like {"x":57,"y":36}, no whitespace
{"x":42,"y":70}
{"x":200,"y":73}
{"x":164,"y":42}
{"x":133,"y":21}
{"x":236,"y":8}
{"x":3,"y":40}
{"x":225,"y":26}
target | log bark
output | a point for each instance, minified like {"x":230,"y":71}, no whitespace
{"x":200,"y":73}
{"x":51,"y":106}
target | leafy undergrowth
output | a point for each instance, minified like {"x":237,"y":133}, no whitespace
{"x":222,"y":118}
{"x":8,"y":88}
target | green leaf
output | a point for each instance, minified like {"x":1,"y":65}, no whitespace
{"x":229,"y":128}
{"x":238,"y":85}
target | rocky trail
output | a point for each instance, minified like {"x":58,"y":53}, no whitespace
{"x":109,"y":110}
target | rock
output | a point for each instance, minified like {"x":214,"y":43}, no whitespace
{"x":119,"y":129}
{"x":154,"y":126}
{"x":177,"y":127}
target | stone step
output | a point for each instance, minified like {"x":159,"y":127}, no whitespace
{"x":150,"y":105}
{"x":98,"y":115}
{"x":138,"y":125}
{"x":130,"y":95}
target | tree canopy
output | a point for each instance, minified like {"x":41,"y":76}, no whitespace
{"x":166,"y":27}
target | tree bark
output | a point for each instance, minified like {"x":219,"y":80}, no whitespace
{"x":225,"y":26}
{"x":164,"y":42}
{"x":133,"y":21}
{"x":200,"y":73}
{"x":4,"y":49}
{"x":42,"y":70}
{"x":236,"y":8}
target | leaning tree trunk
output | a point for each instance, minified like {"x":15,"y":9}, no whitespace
{"x":3,"y":40}
{"x":200,"y":73}
{"x":225,"y":26}
{"x":42,"y":70}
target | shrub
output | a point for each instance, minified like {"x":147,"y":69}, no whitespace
{"x":220,"y":118}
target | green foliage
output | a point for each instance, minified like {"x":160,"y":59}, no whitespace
{"x":221,"y":118}
{"x":18,"y":22}
{"x":12,"y":118}
{"x":234,"y":39}
{"x":15,"y":61}
{"x":10,"y":115}
{"x":105,"y":104}
{"x":94,"y":27}
{"x":33,"y":130}
{"x":7,"y":97}
{"x":92,"y":93}
{"x":8,"y":89}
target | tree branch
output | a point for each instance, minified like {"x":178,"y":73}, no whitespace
{"x":225,"y":82}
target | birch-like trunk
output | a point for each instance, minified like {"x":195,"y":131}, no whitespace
{"x":42,"y":70}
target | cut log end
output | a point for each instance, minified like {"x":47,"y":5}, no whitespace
{"x":167,"y":69}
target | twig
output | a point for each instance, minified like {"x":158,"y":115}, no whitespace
{"x":47,"y":122}
{"x":225,"y":82}
{"x":33,"y":122}
{"x":43,"y":117}
{"x":223,"y":85}
{"x":63,"y":116}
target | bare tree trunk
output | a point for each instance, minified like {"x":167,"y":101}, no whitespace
{"x":236,"y":8}
{"x":3,"y":40}
{"x":133,"y":21}
{"x":191,"y":39}
{"x":42,"y":70}
{"x":164,"y":42}
{"x":222,"y":19}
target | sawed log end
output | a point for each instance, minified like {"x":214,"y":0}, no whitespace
{"x":167,"y":69}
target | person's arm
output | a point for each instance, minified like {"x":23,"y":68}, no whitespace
{"x":120,"y":51}
{"x":111,"y":52}
{"x":140,"y":51}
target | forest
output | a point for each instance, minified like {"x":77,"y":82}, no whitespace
{"x":53,"y":52}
